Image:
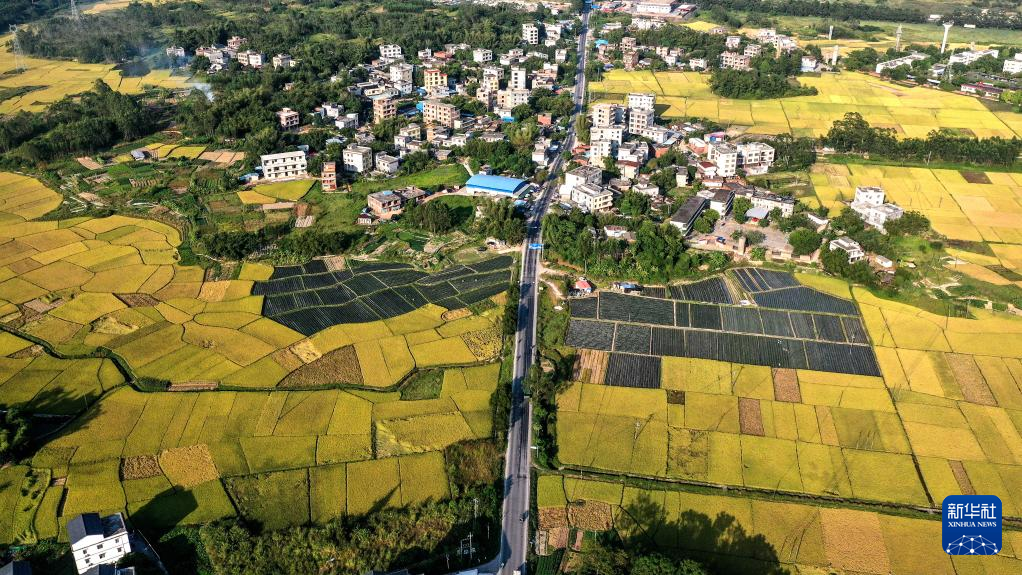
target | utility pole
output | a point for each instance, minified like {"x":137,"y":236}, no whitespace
{"x":19,"y":54}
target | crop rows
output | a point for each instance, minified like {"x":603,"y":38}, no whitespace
{"x":804,"y":299}
{"x":584,"y":307}
{"x":309,"y":298}
{"x":756,"y":280}
{"x":625,"y":370}
{"x":590,"y":334}
{"x":631,"y":338}
{"x":620,"y":307}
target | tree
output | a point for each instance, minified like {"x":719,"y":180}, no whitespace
{"x":739,"y":207}
{"x":804,"y":241}
{"x":754,"y":237}
{"x":634,"y":204}
{"x":13,"y":433}
{"x":911,"y":223}
{"x":435,"y":217}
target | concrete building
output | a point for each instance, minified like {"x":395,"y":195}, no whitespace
{"x":284,"y":61}
{"x":761,"y":198}
{"x":358,"y":159}
{"x":284,"y":166}
{"x":732,"y":42}
{"x":390,"y":203}
{"x":735,"y":61}
{"x":969,"y":56}
{"x":870,"y":205}
{"x":530,"y":33}
{"x":437,"y":112}
{"x":850,"y":247}
{"x":383,"y":108}
{"x":251,"y":58}
{"x":755,"y":158}
{"x":657,"y":7}
{"x":328,"y":177}
{"x":97,"y":540}
{"x":482,"y":55}
{"x":347,"y":121}
{"x":581,"y":175}
{"x":725,"y":157}
{"x":434,"y":78}
{"x":635,"y":151}
{"x":641,"y":101}
{"x":519,"y":79}
{"x":720,"y":199}
{"x":685,"y":218}
{"x":600,"y":149}
{"x":401,"y":75}
{"x":903,"y":61}
{"x":753,"y":50}
{"x":288,"y":119}
{"x":387,"y":164}
{"x":592,"y":197}
{"x":640,"y":119}
{"x":615,"y":133}
{"x":1013,"y":65}
{"x":606,"y":114}
{"x":391,"y":52}
{"x":508,"y":99}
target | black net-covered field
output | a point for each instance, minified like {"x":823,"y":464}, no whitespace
{"x":309,"y":297}
{"x":660,"y":292}
{"x":584,"y":307}
{"x":630,"y":338}
{"x":755,"y":280}
{"x":802,"y":298}
{"x":625,"y":370}
{"x":620,"y":307}
{"x":590,"y":334}
{"x":712,"y":290}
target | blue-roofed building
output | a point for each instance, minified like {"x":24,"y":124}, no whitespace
{"x":496,"y":185}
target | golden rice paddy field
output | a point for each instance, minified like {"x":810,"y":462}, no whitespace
{"x":945,"y":418}
{"x":987,"y":208}
{"x":58,"y":78}
{"x":269,"y":429}
{"x":911,"y":112}
{"x":742,"y":535}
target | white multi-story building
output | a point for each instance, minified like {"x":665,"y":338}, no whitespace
{"x":358,"y":159}
{"x":733,"y":42}
{"x":755,"y":157}
{"x":97,"y":540}
{"x":251,"y":58}
{"x":1013,"y":65}
{"x":767,"y":200}
{"x":592,"y":197}
{"x":347,"y":121}
{"x":519,"y":79}
{"x":580,"y":175}
{"x":284,"y":61}
{"x":969,"y":56}
{"x":391,"y":52}
{"x":401,"y":73}
{"x":530,"y":33}
{"x":288,"y":118}
{"x":640,"y":119}
{"x":284,"y":166}
{"x":387,"y":164}
{"x":753,"y":50}
{"x":508,"y":99}
{"x":635,"y":151}
{"x":482,"y":55}
{"x":903,"y":61}
{"x":735,"y":61}
{"x":615,"y":133}
{"x":607,"y":114}
{"x":869,"y":204}
{"x":725,"y":157}
{"x":850,"y":247}
{"x":600,"y":149}
{"x":641,"y":101}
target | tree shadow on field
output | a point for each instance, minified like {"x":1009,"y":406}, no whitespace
{"x":721,"y":543}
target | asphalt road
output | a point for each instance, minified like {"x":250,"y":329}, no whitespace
{"x":518,"y":461}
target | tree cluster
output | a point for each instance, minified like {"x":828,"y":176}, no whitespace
{"x":755,"y":85}
{"x":854,"y":134}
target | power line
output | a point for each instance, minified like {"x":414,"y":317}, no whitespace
{"x":75,"y":15}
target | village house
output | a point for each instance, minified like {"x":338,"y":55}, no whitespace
{"x":688,"y":213}
{"x":869,"y":204}
{"x":288,"y":118}
{"x":850,"y":247}
{"x":97,"y":540}
{"x":328,"y":177}
{"x":284,"y":166}
{"x":358,"y":159}
{"x":390,"y":203}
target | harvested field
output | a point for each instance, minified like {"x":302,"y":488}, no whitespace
{"x":750,"y":418}
{"x":590,"y":366}
{"x":188,"y":466}
{"x":590,"y":515}
{"x":786,"y":385}
{"x":140,"y":467}
{"x":340,"y":366}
